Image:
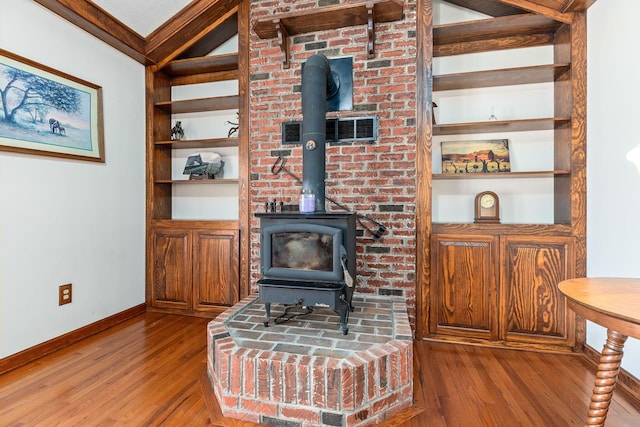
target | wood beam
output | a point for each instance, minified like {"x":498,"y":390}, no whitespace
{"x":535,"y":7}
{"x":488,"y":7}
{"x":578,"y":5}
{"x":424,"y":133}
{"x":213,"y":40}
{"x":99,"y":23}
{"x":184,"y":29}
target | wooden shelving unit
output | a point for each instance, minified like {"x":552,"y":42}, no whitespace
{"x":501,"y":126}
{"x":197,"y":181}
{"x":485,"y":278}
{"x":503,"y":229}
{"x":502,"y":175}
{"x":363,"y":12}
{"x":202,"y":65}
{"x":329,"y":17}
{"x":507,"y":32}
{"x":194,"y":265}
{"x":200,"y":143}
{"x":501,"y":77}
{"x":216,"y":103}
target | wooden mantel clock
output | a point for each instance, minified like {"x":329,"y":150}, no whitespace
{"x":487,"y":208}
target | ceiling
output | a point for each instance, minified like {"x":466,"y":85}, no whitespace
{"x":142,"y":16}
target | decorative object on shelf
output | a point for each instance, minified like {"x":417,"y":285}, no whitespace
{"x":234,"y":127}
{"x":204,"y":166}
{"x":486,"y":156}
{"x":177,"y":133}
{"x":48,"y":112}
{"x":433,"y":112}
{"x":487,"y":208}
{"x":492,"y":117}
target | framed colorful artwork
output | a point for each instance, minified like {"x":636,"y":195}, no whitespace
{"x":484,"y":156}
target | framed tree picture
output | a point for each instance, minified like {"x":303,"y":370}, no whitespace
{"x":47,"y":112}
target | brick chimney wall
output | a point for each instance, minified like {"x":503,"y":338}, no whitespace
{"x":375,"y":179}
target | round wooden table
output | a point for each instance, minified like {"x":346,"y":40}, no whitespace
{"x":615,"y":304}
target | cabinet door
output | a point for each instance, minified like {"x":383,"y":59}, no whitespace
{"x":534,"y":310}
{"x":216,"y":268}
{"x":171,"y":272}
{"x":464,"y":286}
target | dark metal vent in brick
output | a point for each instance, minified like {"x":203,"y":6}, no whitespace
{"x":291,"y":132}
{"x":338,"y":130}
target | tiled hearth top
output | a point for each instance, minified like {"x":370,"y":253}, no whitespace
{"x":318,"y":334}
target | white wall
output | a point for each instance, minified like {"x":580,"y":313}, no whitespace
{"x":613,"y":182}
{"x":63,"y":220}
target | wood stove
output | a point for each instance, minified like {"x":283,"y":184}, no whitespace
{"x":308,"y":260}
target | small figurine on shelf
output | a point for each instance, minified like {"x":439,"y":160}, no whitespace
{"x":204,"y":166}
{"x":177,"y":133}
{"x":433,"y":112}
{"x":235,"y":127}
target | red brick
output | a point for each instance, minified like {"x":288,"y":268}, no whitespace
{"x":361,"y":417}
{"x":222,"y":370}
{"x":383,"y":403}
{"x":264,"y":378}
{"x":276,"y":380}
{"x":249,"y":374}
{"x":258,"y":407}
{"x":299,"y":414}
{"x":236,"y":369}
{"x":230,"y":402}
{"x":303,"y":380}
{"x":394,"y":370}
{"x":318,"y":383}
{"x":289,"y":379}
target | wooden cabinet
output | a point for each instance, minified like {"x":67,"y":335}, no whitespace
{"x":171,"y":274}
{"x":197,"y":229}
{"x":464,"y":286}
{"x":195,"y":269}
{"x":497,"y":283}
{"x":501,"y":289}
{"x":215,"y":275}
{"x":532,"y":308}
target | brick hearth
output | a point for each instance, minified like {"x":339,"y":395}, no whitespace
{"x":304,"y":372}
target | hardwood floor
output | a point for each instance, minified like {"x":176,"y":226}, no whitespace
{"x":151,"y":371}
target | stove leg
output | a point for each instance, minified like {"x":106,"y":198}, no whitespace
{"x":344,"y":308}
{"x":267,"y":307}
{"x":349,"y":297}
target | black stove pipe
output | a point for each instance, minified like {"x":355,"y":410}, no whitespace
{"x":317,"y":83}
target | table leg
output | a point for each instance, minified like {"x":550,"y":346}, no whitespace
{"x":608,"y":369}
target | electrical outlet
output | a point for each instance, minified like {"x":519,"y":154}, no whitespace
{"x":64,"y":294}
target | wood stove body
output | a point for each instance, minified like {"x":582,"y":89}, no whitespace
{"x":308,"y":260}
